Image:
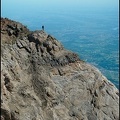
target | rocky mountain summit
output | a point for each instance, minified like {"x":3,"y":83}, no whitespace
{"x":41,"y":80}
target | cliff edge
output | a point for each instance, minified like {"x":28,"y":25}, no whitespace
{"x":41,"y":80}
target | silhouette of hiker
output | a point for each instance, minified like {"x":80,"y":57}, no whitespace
{"x":42,"y":27}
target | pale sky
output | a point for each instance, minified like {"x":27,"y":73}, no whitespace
{"x":11,"y":7}
{"x":10,"y":4}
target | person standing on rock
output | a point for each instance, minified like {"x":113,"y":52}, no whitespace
{"x":42,"y":27}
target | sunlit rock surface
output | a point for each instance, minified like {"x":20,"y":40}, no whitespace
{"x":41,"y":80}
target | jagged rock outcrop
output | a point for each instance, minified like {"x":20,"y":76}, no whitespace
{"x":41,"y":80}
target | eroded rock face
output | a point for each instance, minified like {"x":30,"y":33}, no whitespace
{"x":40,"y":80}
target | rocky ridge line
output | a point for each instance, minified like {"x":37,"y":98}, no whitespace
{"x":41,"y":80}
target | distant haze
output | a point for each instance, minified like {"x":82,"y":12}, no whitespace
{"x":10,"y":6}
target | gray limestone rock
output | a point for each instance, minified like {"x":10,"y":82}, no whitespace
{"x":41,"y":80}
